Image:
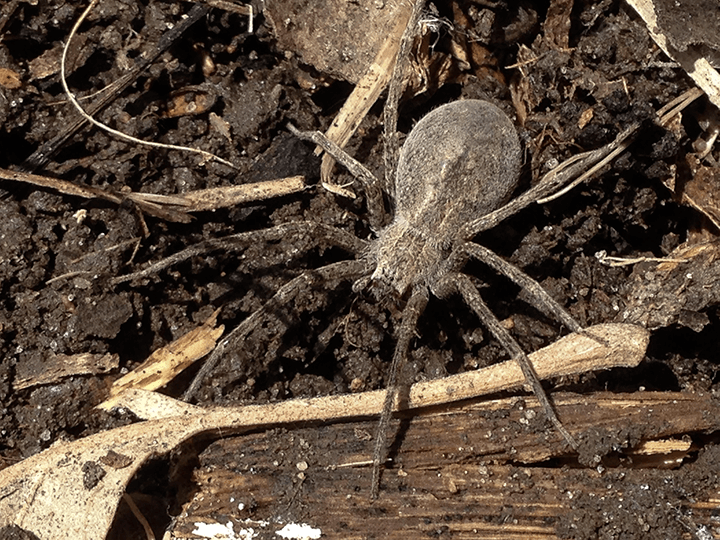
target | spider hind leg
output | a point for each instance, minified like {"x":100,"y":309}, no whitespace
{"x":413,"y":309}
{"x":538,"y":295}
{"x":340,"y":271}
{"x":472,"y":298}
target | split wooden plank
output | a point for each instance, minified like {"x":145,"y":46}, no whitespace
{"x":457,"y":472}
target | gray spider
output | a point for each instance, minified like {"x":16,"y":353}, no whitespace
{"x":455,"y":171}
{"x":461,"y":162}
{"x":453,"y":177}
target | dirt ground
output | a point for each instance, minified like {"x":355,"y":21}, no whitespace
{"x":59,"y":253}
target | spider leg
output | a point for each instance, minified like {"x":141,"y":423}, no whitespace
{"x":579,"y":167}
{"x":343,"y":270}
{"x":472,"y":298}
{"x":540,"y":297}
{"x":371,"y":185}
{"x":390,"y":111}
{"x":414,"y":308}
{"x":334,"y":236}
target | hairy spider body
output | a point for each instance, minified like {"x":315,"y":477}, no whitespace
{"x":462,"y":160}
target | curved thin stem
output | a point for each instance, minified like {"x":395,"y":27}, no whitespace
{"x":105,"y":127}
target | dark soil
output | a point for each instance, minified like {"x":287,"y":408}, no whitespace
{"x":58,"y":253}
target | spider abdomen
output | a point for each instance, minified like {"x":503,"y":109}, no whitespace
{"x":460,"y":162}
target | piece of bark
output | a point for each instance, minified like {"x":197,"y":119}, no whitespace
{"x":660,"y":294}
{"x":456,"y":473}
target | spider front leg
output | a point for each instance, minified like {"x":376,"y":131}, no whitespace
{"x":371,"y":185}
{"x":236,"y":242}
{"x":472,"y":298}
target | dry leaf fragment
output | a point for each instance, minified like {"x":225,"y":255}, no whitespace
{"x":10,"y":79}
{"x":164,"y":364}
{"x":556,"y":27}
{"x":190,"y":100}
{"x":702,"y":191}
{"x":585,"y":117}
{"x":58,"y":366}
{"x":692,"y":60}
{"x":337,"y":37}
{"x":47,"y":64}
{"x":220,"y":125}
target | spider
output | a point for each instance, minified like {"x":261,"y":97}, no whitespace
{"x":456,"y":169}
{"x":460,"y":162}
{"x":454,"y":175}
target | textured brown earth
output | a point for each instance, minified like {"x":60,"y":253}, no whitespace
{"x":58,"y":253}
